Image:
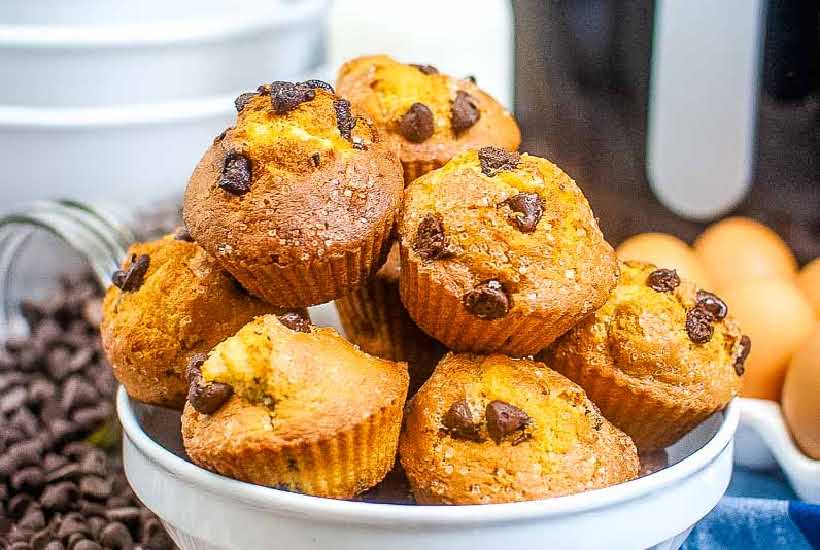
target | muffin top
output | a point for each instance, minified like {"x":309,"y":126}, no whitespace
{"x":428,"y":115}
{"x":299,"y":177}
{"x":304,"y":382}
{"x":490,"y":429}
{"x":170,"y":300}
{"x":515,"y":231}
{"x":657,"y":329}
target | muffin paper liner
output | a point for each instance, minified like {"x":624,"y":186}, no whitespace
{"x":374,"y":318}
{"x":338,"y":466}
{"x":443,"y":316}
{"x":651,"y":423}
{"x":351,"y":462}
{"x":322,"y":279}
{"x":416,"y":169}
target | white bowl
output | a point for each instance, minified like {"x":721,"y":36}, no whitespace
{"x":133,"y":155}
{"x":763,"y":442}
{"x":203,"y":510}
{"x":195,"y":52}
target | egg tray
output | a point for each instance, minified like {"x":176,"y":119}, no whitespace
{"x":763,"y":442}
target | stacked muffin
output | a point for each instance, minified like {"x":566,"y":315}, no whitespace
{"x":462,"y":271}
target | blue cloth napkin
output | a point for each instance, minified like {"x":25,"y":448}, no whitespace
{"x":758,"y":511}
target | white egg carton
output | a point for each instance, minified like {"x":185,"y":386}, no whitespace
{"x":763,"y":442}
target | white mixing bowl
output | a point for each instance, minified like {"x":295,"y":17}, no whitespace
{"x":203,"y":510}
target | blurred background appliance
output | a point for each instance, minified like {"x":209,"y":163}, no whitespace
{"x":585,"y":90}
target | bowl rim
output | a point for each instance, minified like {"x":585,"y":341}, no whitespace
{"x":270,"y":499}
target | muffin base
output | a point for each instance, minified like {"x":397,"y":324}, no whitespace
{"x":651,"y":421}
{"x":416,"y":169}
{"x":443,"y":316}
{"x":338,"y":467}
{"x":374,"y":318}
{"x":320,"y":280}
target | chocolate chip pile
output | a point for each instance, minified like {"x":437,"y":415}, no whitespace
{"x":57,"y":490}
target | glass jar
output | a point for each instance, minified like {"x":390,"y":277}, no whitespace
{"x":49,"y":240}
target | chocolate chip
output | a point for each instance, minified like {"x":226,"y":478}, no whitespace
{"x":504,"y":419}
{"x":95,"y":487}
{"x":464,"y":113}
{"x":459,"y":423}
{"x":192,"y":370}
{"x":182,"y":234}
{"x":59,"y":497}
{"x":69,"y":471}
{"x":345,"y":121}
{"x":417,"y":123}
{"x":86,"y":544}
{"x":286,"y":96}
{"x":494,"y":160}
{"x":29,"y":479}
{"x":116,"y":536}
{"x":699,"y":325}
{"x":205,"y":397}
{"x":33,"y":520}
{"x":488,"y":300}
{"x":713,"y":304}
{"x":743,"y":354}
{"x":663,"y":280}
{"x":131,"y":279}
{"x":243,"y":99}
{"x":315,"y":160}
{"x":319,"y":84}
{"x":528,"y":209}
{"x":426,"y":69}
{"x":54,"y":545}
{"x":236,"y":174}
{"x":13,"y":399}
{"x":295,"y":320}
{"x":431,"y":242}
{"x":78,"y":392}
{"x":130,"y":515}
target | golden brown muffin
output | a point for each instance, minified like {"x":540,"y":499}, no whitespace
{"x":374,"y":318}
{"x":427,"y":116}
{"x":491,"y":429}
{"x":301,"y":410}
{"x":501,"y":252}
{"x":170,"y":301}
{"x":658,"y":358}
{"x":297,"y":200}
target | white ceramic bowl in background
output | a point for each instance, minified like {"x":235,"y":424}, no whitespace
{"x":210,"y":50}
{"x":204,"y":511}
{"x":763,"y":442}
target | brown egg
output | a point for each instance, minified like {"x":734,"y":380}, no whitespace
{"x":778,"y":319}
{"x":668,"y":251}
{"x":809,"y":282}
{"x":801,"y":396}
{"x":735,"y":250}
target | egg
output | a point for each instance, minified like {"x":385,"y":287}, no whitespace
{"x":778,"y":319}
{"x":809,"y":282}
{"x":667,"y":251}
{"x":735,"y":250}
{"x":801,"y":396}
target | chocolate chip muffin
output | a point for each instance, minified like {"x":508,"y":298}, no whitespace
{"x":428,"y":116}
{"x":374,"y":318}
{"x":491,"y":429}
{"x":169,"y":301}
{"x":297,"y":200}
{"x":658,"y":358}
{"x":294,"y":407}
{"x":501,"y":252}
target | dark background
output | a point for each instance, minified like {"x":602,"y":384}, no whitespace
{"x":582,"y":81}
